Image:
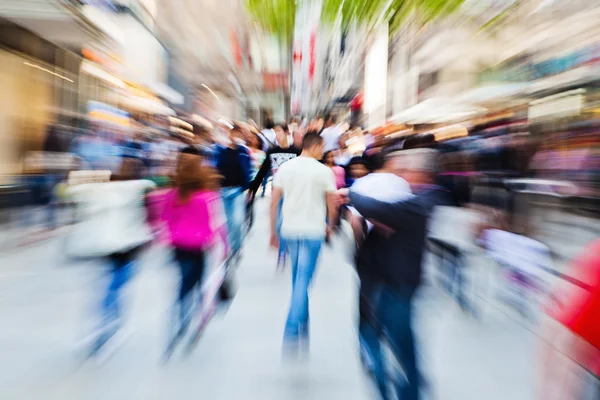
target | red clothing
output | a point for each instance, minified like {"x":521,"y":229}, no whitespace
{"x":581,"y":310}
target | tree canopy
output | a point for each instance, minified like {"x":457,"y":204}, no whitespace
{"x":277,"y":16}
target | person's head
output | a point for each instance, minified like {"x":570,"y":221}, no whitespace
{"x":130,"y":169}
{"x":328,"y":158}
{"x":331,"y":120}
{"x":313,"y":145}
{"x":298,"y":137}
{"x":269,"y":123}
{"x":237,"y":133}
{"x":191,"y":176}
{"x":357,"y":168}
{"x":342,"y":141}
{"x":280,"y":135}
{"x":254,"y":141}
{"x":417,"y":166}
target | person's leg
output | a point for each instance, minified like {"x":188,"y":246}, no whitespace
{"x":121,"y":268}
{"x":307,"y":254}
{"x":238,"y":221}
{"x":369,"y":331}
{"x":293,"y":248}
{"x":120,"y":273}
{"x":395,"y":311}
{"x":189,"y":267}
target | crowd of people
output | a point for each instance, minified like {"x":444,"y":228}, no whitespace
{"x":197,"y":195}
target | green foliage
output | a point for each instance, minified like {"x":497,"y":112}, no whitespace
{"x":277,"y":16}
{"x":274,"y":16}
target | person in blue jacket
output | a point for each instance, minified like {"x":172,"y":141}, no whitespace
{"x":234,"y":165}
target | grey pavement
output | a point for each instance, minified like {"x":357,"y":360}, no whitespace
{"x":46,"y":304}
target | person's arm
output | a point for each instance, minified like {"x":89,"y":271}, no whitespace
{"x":260,"y":176}
{"x":246,"y":165}
{"x":276,"y":196}
{"x":332,"y":210}
{"x":331,"y":200}
{"x":395,"y":215}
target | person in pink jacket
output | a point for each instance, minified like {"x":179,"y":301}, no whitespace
{"x":339,"y":172}
{"x":192,"y":213}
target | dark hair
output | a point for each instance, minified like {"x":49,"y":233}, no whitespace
{"x":190,"y":150}
{"x":357,"y":160}
{"x":324,"y":159}
{"x":310,"y":140}
{"x":269,"y":123}
{"x":131,"y":168}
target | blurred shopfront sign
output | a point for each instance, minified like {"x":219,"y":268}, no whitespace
{"x":273,"y":82}
{"x":527,"y":71}
{"x":561,"y":105}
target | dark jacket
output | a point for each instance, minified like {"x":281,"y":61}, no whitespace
{"x":394,"y":257}
{"x":273,"y":160}
{"x":234,"y":165}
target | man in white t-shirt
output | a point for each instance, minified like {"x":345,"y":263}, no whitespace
{"x":307,"y":188}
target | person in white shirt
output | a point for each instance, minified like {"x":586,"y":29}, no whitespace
{"x":331,"y":134}
{"x":308,"y":191}
{"x":112,"y":226}
{"x":268,"y":136}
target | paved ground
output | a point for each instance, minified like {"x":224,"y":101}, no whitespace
{"x":44,"y":300}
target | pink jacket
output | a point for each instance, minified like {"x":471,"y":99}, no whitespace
{"x":195,"y":224}
{"x":340,"y":176}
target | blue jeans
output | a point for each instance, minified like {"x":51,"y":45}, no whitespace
{"x":393,"y":318}
{"x":191,"y":267}
{"x":234,"y":204}
{"x":120,"y":273}
{"x":303,"y":254}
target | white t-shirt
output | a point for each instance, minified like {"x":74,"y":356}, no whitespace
{"x":382,"y":186}
{"x":269,"y":138}
{"x":331,"y":136}
{"x":305,"y":183}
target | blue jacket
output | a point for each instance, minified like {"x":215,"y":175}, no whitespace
{"x":241,"y":172}
{"x":394,"y":257}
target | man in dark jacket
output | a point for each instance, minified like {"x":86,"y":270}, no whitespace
{"x":391,"y":258}
{"x":233,"y":163}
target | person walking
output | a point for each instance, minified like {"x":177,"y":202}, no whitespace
{"x":234,"y":165}
{"x":189,"y":212}
{"x":307,"y":189}
{"x":112,"y":226}
{"x":384,"y":185}
{"x":257,"y":157}
{"x":274,"y":159}
{"x":393,"y":253}
{"x":331,"y":133}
